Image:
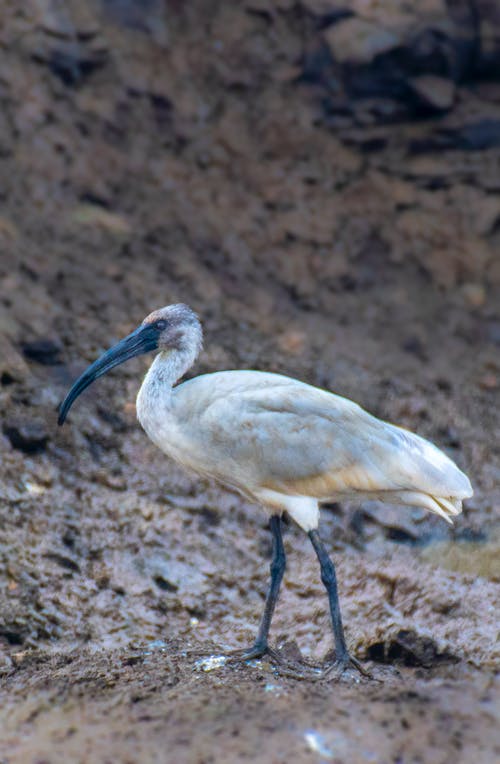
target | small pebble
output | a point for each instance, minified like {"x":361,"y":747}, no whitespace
{"x":316,"y":743}
{"x":488,"y":382}
{"x":210,"y":663}
{"x":474,"y":294}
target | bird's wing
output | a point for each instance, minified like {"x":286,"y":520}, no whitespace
{"x":296,"y":439}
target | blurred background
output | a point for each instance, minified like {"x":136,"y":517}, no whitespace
{"x":320,"y":181}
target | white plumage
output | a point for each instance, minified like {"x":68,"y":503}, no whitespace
{"x":280,"y":442}
{"x":288,"y":445}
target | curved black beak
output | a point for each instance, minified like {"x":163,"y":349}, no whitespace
{"x":142,"y":340}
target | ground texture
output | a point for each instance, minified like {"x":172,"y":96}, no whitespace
{"x":320,"y":181}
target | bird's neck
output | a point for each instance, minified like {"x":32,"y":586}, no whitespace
{"x":167,"y":368}
{"x":155,"y":395}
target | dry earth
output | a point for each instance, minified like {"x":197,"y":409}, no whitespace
{"x":321,"y":182}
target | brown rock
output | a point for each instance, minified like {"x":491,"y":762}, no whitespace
{"x":488,"y":15}
{"x":360,"y":41}
{"x":44,"y":351}
{"x":488,"y":382}
{"x":292,"y":341}
{"x":322,"y":7}
{"x":93,"y":215}
{"x":435,"y":92}
{"x":487,"y":214}
{"x":29,"y":436}
{"x":12,"y":365}
{"x":474,"y":294}
{"x":8,"y":230}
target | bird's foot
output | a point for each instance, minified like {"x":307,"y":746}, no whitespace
{"x":282,"y":664}
{"x":287,"y":661}
{"x":342,"y":664}
{"x":298,"y":668}
{"x":258,"y":650}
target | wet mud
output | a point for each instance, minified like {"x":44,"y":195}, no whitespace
{"x":321,"y":185}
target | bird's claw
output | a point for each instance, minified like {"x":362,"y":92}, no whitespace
{"x":341,"y":665}
{"x":257,"y":651}
{"x":299,"y":670}
{"x":281,"y":664}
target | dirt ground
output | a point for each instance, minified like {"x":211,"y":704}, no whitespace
{"x":320,"y":180}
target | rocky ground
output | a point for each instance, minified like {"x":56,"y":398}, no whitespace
{"x":320,"y":181}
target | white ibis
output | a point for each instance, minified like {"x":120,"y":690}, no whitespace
{"x":282,"y":443}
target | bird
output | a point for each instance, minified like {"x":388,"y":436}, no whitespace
{"x":281,"y":443}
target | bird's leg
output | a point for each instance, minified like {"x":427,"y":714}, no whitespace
{"x":329,"y":579}
{"x":278,"y":563}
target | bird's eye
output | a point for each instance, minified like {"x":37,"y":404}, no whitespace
{"x":161,"y":324}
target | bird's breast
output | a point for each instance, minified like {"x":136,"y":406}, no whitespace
{"x":168,"y":430}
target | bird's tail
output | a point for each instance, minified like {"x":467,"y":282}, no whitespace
{"x":446,"y":507}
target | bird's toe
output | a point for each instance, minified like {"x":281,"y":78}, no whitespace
{"x":343,"y":664}
{"x":258,"y":650}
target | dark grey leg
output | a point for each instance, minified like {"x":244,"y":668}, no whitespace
{"x":329,"y":579}
{"x":278,"y":564}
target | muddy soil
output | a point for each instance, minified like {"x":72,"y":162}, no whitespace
{"x":320,"y":181}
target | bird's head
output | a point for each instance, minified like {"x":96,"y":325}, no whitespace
{"x":173,"y":328}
